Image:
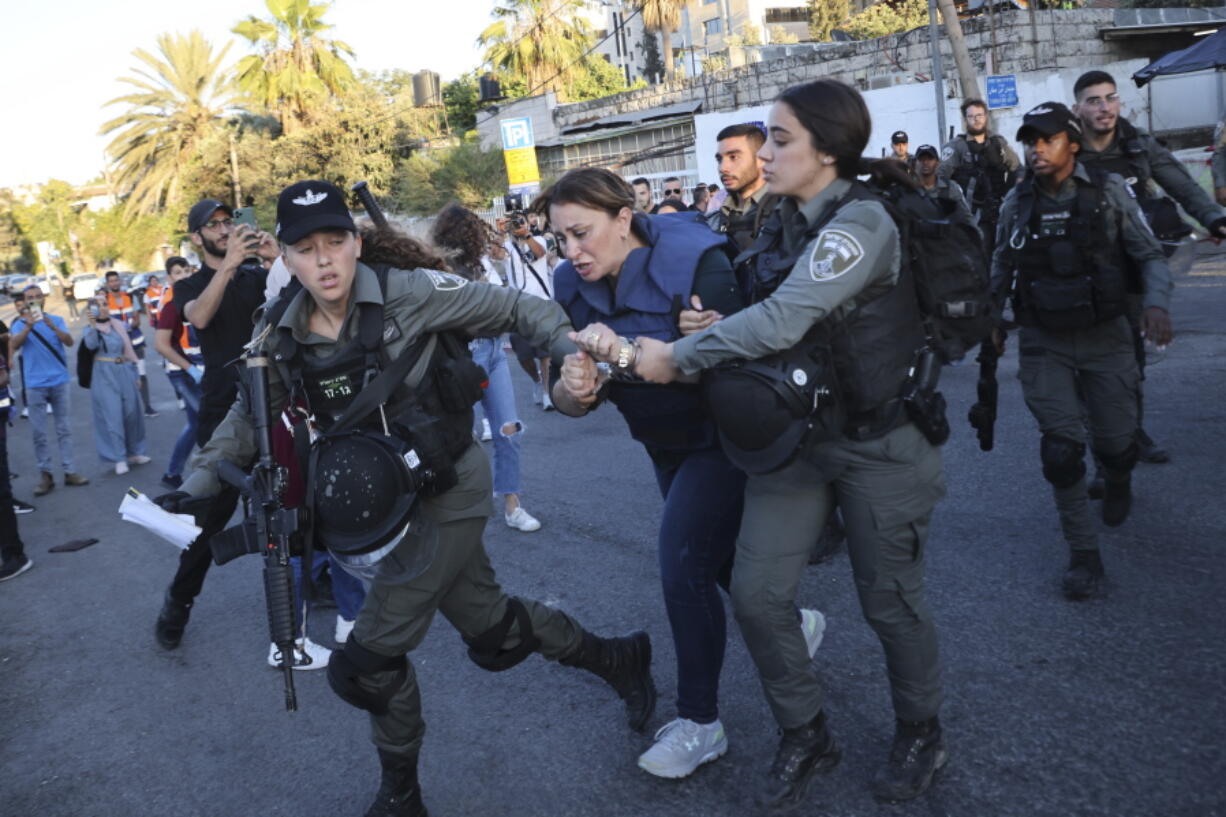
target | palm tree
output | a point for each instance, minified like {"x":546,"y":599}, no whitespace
{"x":663,"y":16}
{"x":179,"y":100}
{"x":294,"y":67}
{"x":542,"y":41}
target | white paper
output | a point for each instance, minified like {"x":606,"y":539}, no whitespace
{"x":179,"y":529}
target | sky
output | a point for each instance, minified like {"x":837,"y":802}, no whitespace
{"x":60,"y":62}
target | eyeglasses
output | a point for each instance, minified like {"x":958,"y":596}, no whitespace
{"x":975,"y":117}
{"x":1102,"y":101}
{"x":219,"y":223}
{"x":668,"y":191}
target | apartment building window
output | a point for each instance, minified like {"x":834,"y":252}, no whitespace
{"x":787,"y":15}
{"x":714,"y":26}
{"x":709,"y":2}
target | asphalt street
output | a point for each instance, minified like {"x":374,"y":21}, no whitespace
{"x":1110,"y":707}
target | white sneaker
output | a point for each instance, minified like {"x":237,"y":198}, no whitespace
{"x":486,"y":434}
{"x":343,"y":628}
{"x":307,"y":655}
{"x":537,"y":392}
{"x":121,"y":467}
{"x":813,"y":625}
{"x":522,"y":520}
{"x":546,"y":401}
{"x":139,"y":459}
{"x":682,"y":746}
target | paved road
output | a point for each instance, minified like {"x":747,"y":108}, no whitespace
{"x":1112,"y":707}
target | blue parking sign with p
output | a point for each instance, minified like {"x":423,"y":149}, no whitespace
{"x":517,"y":133}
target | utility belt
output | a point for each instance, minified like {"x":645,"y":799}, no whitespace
{"x":101,"y":359}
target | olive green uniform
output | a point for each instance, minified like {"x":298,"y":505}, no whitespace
{"x":886,"y":487}
{"x":1057,"y":367}
{"x":459,"y":581}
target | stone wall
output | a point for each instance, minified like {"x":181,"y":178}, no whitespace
{"x":1066,"y":39}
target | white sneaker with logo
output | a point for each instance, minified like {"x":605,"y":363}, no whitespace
{"x":682,"y":746}
{"x":343,"y":628}
{"x":813,"y":625}
{"x":522,"y":520}
{"x":307,"y":655}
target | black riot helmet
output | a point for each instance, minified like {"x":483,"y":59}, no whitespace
{"x":364,"y":491}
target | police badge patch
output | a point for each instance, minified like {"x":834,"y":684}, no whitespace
{"x":947,"y":153}
{"x":834,"y":253}
{"x":445,"y":281}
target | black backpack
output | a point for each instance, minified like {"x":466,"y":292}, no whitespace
{"x":949,"y":267}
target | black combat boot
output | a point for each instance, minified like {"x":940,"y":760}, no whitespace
{"x":399,"y":792}
{"x":917,"y":755}
{"x":803,"y":752}
{"x":171,"y":622}
{"x":624,"y":664}
{"x":1117,"y":500}
{"x":1084,"y":576}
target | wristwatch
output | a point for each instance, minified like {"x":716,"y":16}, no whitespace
{"x":626,"y":355}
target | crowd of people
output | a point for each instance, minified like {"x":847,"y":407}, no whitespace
{"x":701,"y":323}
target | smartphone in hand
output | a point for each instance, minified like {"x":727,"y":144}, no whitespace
{"x":36,"y":312}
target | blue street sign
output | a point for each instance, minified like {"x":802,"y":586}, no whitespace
{"x":517,"y":133}
{"x":1002,"y":91}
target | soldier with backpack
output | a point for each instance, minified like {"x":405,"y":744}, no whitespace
{"x":812,"y":392}
{"x":983,"y":165}
{"x":1068,"y":236}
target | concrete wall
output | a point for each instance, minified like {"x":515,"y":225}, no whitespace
{"x":1067,"y":40}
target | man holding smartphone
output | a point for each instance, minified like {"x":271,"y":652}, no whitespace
{"x":218,"y":301}
{"x":528,"y":270}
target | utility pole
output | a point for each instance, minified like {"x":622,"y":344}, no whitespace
{"x":238,"y":188}
{"x":957,"y":44}
{"x":938,"y":71}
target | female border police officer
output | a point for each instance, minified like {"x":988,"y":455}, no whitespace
{"x":324,"y":320}
{"x":885,"y":476}
{"x":627,"y":274}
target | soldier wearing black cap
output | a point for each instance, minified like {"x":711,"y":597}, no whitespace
{"x":218,"y":301}
{"x":901,"y":143}
{"x":984,"y":166}
{"x":1067,"y":236}
{"x":927,"y":162}
{"x":420,"y":546}
{"x":1151,"y":170}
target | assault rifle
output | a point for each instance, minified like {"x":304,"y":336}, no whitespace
{"x":274,"y":524}
{"x":982,"y":415}
{"x":369,"y":204}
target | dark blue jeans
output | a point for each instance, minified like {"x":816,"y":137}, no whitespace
{"x":703,"y":497}
{"x":10,"y":541}
{"x":188,"y":391}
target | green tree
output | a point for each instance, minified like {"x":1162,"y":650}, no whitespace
{"x":16,"y":251}
{"x":825,"y":16}
{"x":751,"y":34}
{"x":179,"y":99}
{"x":54,"y":217}
{"x":780,"y":35}
{"x":542,"y":41}
{"x":597,"y":78}
{"x":653,"y":65}
{"x":460,"y":98}
{"x":294,"y":67}
{"x":884,"y":18}
{"x":465,"y":173}
{"x":662,"y":17}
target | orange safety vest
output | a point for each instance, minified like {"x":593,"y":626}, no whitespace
{"x":153,"y":300}
{"x":187,"y":336}
{"x":120,"y":304}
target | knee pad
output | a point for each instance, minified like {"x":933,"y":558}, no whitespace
{"x":1063,"y":460}
{"x":355,"y":661}
{"x":486,"y":650}
{"x":1121,"y":462}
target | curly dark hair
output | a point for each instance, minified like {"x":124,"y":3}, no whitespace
{"x":464,"y":237}
{"x":389,"y":245}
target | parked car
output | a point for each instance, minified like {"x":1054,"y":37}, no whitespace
{"x":4,"y":284}
{"x":44,"y":283}
{"x":85,"y":284}
{"x":17,"y":283}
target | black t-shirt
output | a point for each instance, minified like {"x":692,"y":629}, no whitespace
{"x":223,"y":339}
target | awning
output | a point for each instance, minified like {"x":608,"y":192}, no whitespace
{"x":1148,"y":22}
{"x":632,"y":118}
{"x":1210,"y":52}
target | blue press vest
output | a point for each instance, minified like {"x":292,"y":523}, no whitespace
{"x":653,"y":282}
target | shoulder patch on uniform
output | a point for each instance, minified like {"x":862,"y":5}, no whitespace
{"x":445,"y":281}
{"x":947,"y":152}
{"x":834,"y":253}
{"x":391,"y":330}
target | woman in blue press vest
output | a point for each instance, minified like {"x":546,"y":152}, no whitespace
{"x":628,"y":275}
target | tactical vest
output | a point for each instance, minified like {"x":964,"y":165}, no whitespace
{"x":653,"y":286}
{"x":1068,"y":278}
{"x":987,"y":169}
{"x":873,"y":346}
{"x":1131,"y":163}
{"x":742,"y":228}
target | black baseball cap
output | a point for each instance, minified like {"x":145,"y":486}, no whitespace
{"x":927,"y":150}
{"x":899,"y":137}
{"x":304,"y":207}
{"x":1049,"y":119}
{"x":202,"y":211}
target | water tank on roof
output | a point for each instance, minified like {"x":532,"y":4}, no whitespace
{"x":426,"y":91}
{"x":491,"y":90}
